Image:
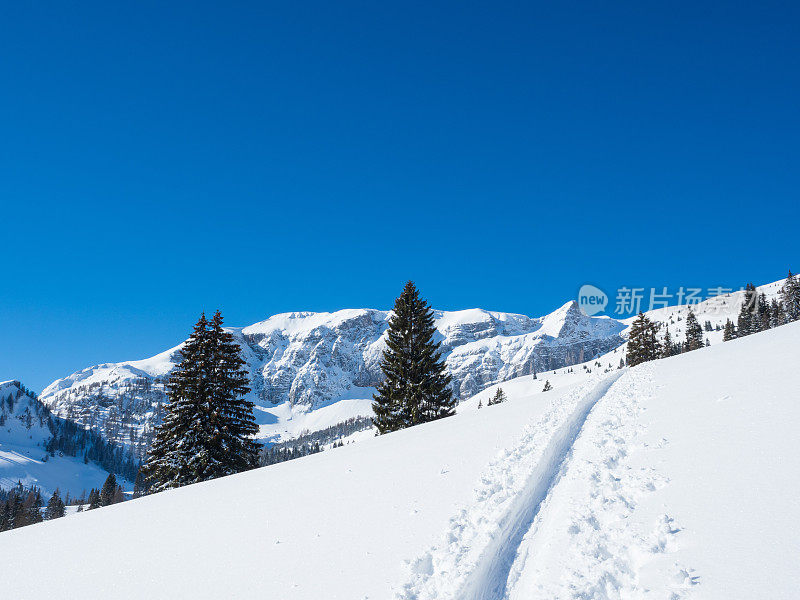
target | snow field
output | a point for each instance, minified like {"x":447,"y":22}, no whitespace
{"x":674,"y":479}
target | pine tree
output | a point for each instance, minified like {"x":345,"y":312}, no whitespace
{"x":777,"y":315}
{"x":5,"y":515}
{"x":694,"y":333}
{"x":416,"y":387}
{"x":231,"y":424}
{"x":790,"y":297}
{"x":499,"y":396}
{"x":139,"y":486}
{"x":547,"y":387}
{"x":729,"y":332}
{"x":642,"y":342}
{"x":108,"y":489}
{"x":208,"y":424}
{"x":33,"y":508}
{"x":94,"y":499}
{"x":747,"y":322}
{"x":763,"y":312}
{"x":55,"y":507}
{"x":667,"y":347}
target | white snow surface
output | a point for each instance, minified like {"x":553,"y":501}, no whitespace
{"x":674,"y":479}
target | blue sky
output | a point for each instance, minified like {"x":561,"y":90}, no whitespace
{"x":268,"y":157}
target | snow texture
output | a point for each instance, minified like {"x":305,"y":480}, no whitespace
{"x":674,"y":479}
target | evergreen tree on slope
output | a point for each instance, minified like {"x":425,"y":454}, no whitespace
{"x":747,"y":320}
{"x":55,"y":507}
{"x":729,"y":332}
{"x":643,"y":345}
{"x":175,"y":442}
{"x":790,"y":297}
{"x":94,"y":499}
{"x":694,"y":333}
{"x":208,"y":424}
{"x":667,"y":347}
{"x":777,"y":316}
{"x":231,"y":424}
{"x":498,"y":398}
{"x":108,"y":489}
{"x":416,"y":386}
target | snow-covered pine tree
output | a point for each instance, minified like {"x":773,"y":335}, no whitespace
{"x":139,"y":485}
{"x":763,"y":312}
{"x":499,"y":396}
{"x":694,"y":333}
{"x":94,"y":499}
{"x":108,"y":489}
{"x":174,"y":442}
{"x":729,"y":332}
{"x":416,"y":386}
{"x":55,"y":507}
{"x":642,"y":342}
{"x":32,"y":506}
{"x":5,"y":515}
{"x":777,"y":315}
{"x":667,"y":347}
{"x":747,"y":320}
{"x":208,"y":424}
{"x":790,"y":297}
{"x":231,"y":424}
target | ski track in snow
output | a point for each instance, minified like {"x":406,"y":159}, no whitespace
{"x":608,"y":552}
{"x":503,"y":545}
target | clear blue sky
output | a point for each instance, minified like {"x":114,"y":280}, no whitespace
{"x":157,"y":159}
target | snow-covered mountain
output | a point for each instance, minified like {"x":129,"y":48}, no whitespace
{"x":25,"y":429}
{"x":673,"y":479}
{"x":312,"y":370}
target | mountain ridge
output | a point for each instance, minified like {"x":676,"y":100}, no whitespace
{"x":303,"y":361}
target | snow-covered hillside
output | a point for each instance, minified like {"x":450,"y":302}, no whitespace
{"x":674,"y":479}
{"x":313,"y":370}
{"x":24,"y":432}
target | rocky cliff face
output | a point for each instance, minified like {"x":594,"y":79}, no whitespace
{"x":311,"y":360}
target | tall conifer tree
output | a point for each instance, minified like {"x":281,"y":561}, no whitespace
{"x":667,"y":347}
{"x":694,"y":333}
{"x":231,"y":424}
{"x":642,"y":342}
{"x":416,"y":387}
{"x":747,"y":322}
{"x":790,"y":297}
{"x":108,"y":489}
{"x":729,"y":332}
{"x":208,"y":424}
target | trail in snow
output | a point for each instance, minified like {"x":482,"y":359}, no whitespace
{"x":488,"y":580}
{"x":478,"y":550}
{"x":588,"y":539}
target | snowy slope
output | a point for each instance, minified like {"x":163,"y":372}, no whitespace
{"x":674,"y":479}
{"x":23,"y":458}
{"x":313,"y":370}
